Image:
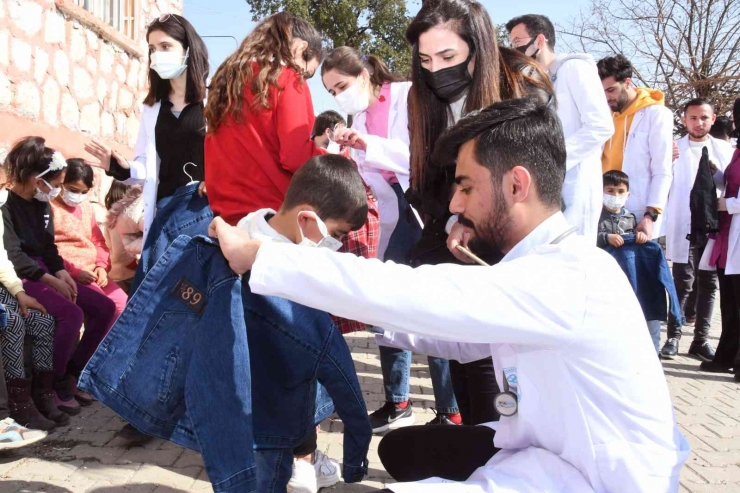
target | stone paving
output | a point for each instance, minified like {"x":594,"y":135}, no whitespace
{"x":88,"y":456}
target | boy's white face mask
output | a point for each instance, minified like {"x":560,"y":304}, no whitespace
{"x":615,"y":202}
{"x":326,"y":242}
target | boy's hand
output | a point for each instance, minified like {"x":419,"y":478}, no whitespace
{"x":237,"y":247}
{"x":641,"y":238}
{"x":615,"y":240}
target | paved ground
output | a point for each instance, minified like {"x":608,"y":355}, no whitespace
{"x":88,"y":457}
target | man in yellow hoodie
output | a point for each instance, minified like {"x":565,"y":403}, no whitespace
{"x":642,"y":144}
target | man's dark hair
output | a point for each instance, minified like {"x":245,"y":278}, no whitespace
{"x":535,"y":25}
{"x":722,"y":128}
{"x":618,"y":67}
{"x":516,"y":132}
{"x":331,"y":185}
{"x":77,"y":170}
{"x":697,"y":102}
{"x":327,"y":119}
{"x":614,"y":178}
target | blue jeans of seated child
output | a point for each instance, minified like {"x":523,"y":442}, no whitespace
{"x":654,"y":328}
{"x":396,"y":367}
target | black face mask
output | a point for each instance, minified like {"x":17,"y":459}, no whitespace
{"x":449,"y":82}
{"x":523,"y":49}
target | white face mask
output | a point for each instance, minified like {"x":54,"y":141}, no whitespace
{"x":47,"y":196}
{"x":615,"y":202}
{"x":326,"y":242}
{"x":355,"y":99}
{"x":333,"y":148}
{"x":3,"y":196}
{"x":168,"y":65}
{"x":73,"y":199}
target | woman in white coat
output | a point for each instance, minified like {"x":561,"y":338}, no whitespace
{"x":169,"y":150}
{"x":365,"y":88}
{"x":723,"y":253}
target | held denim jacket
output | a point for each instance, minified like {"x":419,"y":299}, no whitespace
{"x":183,"y":213}
{"x":176,"y":363}
{"x":293,"y":349}
{"x":648,"y":272}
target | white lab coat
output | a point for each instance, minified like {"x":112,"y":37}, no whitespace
{"x":391,"y":154}
{"x":678,"y":211}
{"x":145,"y":165}
{"x":648,"y":161}
{"x":733,"y":251}
{"x":587,"y":124}
{"x":592,"y":394}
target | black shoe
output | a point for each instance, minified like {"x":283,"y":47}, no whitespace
{"x":441,"y":419}
{"x":670,"y":349}
{"x":714,"y":367}
{"x":134,"y":436}
{"x":737,"y":376}
{"x":390,"y":417}
{"x":702,"y":351}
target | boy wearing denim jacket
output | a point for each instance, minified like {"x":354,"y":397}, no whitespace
{"x":326,"y":200}
{"x":616,"y":221}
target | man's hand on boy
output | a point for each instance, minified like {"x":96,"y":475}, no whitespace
{"x":237,"y":247}
{"x":615,"y":240}
{"x":641,"y":238}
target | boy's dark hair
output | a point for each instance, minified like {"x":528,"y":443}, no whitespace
{"x":503,"y":135}
{"x":615,"y":178}
{"x":116,"y":192}
{"x":331,"y":185}
{"x":618,"y":67}
{"x":722,"y":128}
{"x":535,"y":25}
{"x":77,"y":170}
{"x":697,"y":102}
{"x":327,"y":119}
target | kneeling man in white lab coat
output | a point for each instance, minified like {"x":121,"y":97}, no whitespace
{"x":585,"y":406}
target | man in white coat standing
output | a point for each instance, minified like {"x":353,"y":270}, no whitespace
{"x":584,"y":403}
{"x":642,"y":144}
{"x":698,"y":118}
{"x":584,"y":114}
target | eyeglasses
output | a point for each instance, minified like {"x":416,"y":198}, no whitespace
{"x":164,"y":18}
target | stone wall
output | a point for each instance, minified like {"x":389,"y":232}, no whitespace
{"x":67,"y":76}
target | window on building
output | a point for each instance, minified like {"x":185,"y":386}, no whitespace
{"x":121,"y":14}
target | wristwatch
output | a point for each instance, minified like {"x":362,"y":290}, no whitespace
{"x":652,"y":215}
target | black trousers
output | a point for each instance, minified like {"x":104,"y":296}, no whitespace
{"x":475,"y":387}
{"x":696,"y":290}
{"x":4,"y":409}
{"x":728,"y":348}
{"x":449,"y":452}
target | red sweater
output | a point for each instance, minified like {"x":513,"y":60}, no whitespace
{"x":249,"y":165}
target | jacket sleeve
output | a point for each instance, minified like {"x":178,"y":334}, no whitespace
{"x":51,"y":256}
{"x":102,"y":258}
{"x":336,"y":373}
{"x":661,"y":158}
{"x":733,"y":205}
{"x":24,"y":265}
{"x":464,"y":353}
{"x":386,"y":154}
{"x":602,"y":239}
{"x":8,"y":277}
{"x":597,"y":124}
{"x":136,"y":174}
{"x":294,"y":119}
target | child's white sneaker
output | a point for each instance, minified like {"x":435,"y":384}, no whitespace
{"x":310,"y":477}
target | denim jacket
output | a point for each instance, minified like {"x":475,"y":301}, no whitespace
{"x":176,"y":363}
{"x":293,"y":348}
{"x":183,"y":213}
{"x":648,"y":272}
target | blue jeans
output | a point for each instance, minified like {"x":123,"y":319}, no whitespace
{"x":396,"y":367}
{"x":654,"y":328}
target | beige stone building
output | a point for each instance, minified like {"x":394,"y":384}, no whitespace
{"x":71,"y":69}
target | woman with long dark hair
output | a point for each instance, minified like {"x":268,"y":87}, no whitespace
{"x":457,"y":67}
{"x":260,"y":117}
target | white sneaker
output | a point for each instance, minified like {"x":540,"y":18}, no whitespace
{"x":303,"y":479}
{"x":13,"y":435}
{"x":327,"y":470}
